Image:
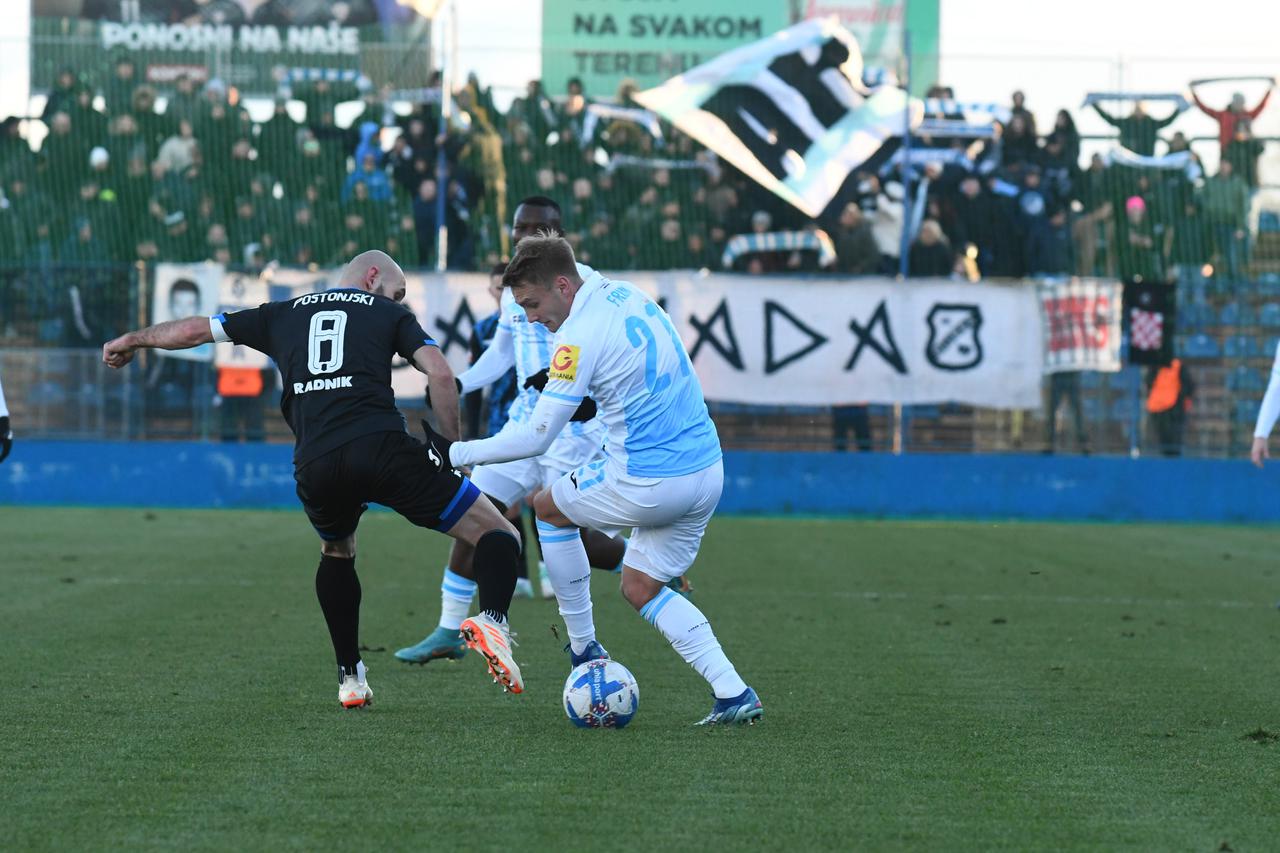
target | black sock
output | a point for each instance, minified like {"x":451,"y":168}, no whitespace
{"x":533,"y":525}
{"x":338,"y":589}
{"x":495,"y":568}
{"x":522,"y":562}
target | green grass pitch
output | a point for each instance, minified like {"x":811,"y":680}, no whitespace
{"x":927,"y":685}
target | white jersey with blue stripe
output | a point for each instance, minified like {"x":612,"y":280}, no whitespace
{"x":532,"y":344}
{"x":620,"y":348}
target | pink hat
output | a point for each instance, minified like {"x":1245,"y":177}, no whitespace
{"x":1135,"y":202}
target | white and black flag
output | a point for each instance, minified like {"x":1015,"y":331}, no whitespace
{"x":790,"y":111}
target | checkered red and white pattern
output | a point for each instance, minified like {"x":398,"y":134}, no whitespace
{"x":1147,"y":329}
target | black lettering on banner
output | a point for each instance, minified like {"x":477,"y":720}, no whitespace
{"x":451,"y":332}
{"x":730,"y":103}
{"x":953,"y":336}
{"x":866,"y":338}
{"x":730,"y":353}
{"x":807,"y":79}
{"x":662,"y":303}
{"x":733,"y":104}
{"x":772,"y":364}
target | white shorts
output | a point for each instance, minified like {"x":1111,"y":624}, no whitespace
{"x":669,"y":516}
{"x":510,"y":482}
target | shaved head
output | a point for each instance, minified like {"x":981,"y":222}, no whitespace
{"x":376,"y":272}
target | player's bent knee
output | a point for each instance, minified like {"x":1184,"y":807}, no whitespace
{"x":342,"y":548}
{"x":544,"y":506}
{"x":638,"y":588}
{"x":480,"y":519}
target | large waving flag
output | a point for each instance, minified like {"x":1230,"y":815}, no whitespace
{"x":790,"y":111}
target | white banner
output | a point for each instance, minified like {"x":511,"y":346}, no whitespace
{"x":788,"y":342}
{"x":815,"y":343}
{"x":790,"y":111}
{"x":237,"y":293}
{"x":185,"y":290}
{"x":807,"y":342}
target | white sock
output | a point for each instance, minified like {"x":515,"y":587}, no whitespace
{"x":570,"y":576}
{"x":360,"y":671}
{"x":691,"y":636}
{"x":456,"y":593}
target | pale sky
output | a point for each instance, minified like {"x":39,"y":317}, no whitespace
{"x":1055,"y":50}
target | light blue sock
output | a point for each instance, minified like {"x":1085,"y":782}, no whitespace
{"x":456,"y":593}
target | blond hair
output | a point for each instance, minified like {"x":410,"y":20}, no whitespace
{"x":539,"y":260}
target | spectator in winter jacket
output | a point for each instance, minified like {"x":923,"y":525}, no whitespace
{"x":1138,"y":130}
{"x":372,"y":177}
{"x":1019,"y":142}
{"x":1019,"y":110}
{"x":1137,"y":252}
{"x":1234,"y":113}
{"x":1224,"y":199}
{"x":856,"y":250}
{"x":930,"y":255}
{"x":1243,"y":153}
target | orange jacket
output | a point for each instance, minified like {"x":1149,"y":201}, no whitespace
{"x":239,"y":381}
{"x":1167,"y":389}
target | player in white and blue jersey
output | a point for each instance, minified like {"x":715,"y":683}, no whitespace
{"x":527,"y":348}
{"x":661,"y":473}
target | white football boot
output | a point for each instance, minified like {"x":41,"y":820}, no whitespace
{"x":353,"y":690}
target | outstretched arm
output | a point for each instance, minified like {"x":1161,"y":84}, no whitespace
{"x":175,"y":334}
{"x":1165,"y":122}
{"x":443,"y":387}
{"x":1253,"y":113}
{"x":1106,"y":116}
{"x":1205,"y":108}
{"x":522,"y":441}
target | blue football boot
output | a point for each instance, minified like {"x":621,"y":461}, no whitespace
{"x":593,"y":651}
{"x":743,"y":708}
{"x":681,"y":586}
{"x":440,"y":644}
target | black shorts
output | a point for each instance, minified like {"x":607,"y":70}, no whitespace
{"x":390,"y":468}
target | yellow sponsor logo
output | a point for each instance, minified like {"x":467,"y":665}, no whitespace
{"x":564,"y":363}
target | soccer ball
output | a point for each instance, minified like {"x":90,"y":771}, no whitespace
{"x":601,"y":694}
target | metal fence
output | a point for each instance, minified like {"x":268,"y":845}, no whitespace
{"x":108,"y":173}
{"x":1226,"y":335}
{"x":124,"y":170}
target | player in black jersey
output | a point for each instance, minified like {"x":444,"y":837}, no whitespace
{"x":334,"y":351}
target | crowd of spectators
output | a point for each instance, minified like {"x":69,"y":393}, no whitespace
{"x":117,"y":178}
